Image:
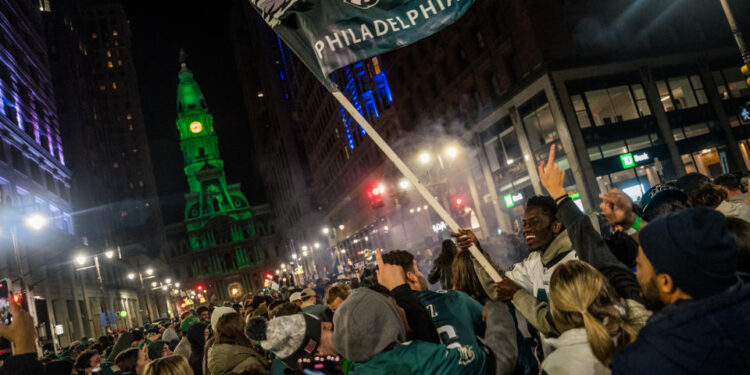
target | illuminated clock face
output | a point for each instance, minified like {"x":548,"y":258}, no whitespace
{"x":196,"y":127}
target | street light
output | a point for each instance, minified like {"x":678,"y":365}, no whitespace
{"x":109,"y":254}
{"x":81,"y":259}
{"x":168,"y":281}
{"x":153,"y":283}
{"x":150,"y":271}
{"x":164,"y":287}
{"x":176,"y":285}
{"x":404,"y":184}
{"x":341,"y":227}
{"x":424,"y":157}
{"x":131,"y":276}
{"x":294,"y":256}
{"x":451,"y":152}
{"x":304,"y":247}
{"x":326,"y":230}
{"x":36,"y":221}
{"x":316,"y":245}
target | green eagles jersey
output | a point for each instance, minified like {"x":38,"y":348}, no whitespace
{"x":418,"y":357}
{"x":457,"y":316}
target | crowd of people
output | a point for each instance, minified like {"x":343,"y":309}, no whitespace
{"x":657,"y":286}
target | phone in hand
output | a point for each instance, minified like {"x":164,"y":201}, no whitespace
{"x":5,"y":298}
{"x":321,"y":365}
{"x":5,"y":316}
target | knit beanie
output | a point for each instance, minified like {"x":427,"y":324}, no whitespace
{"x":289,"y":337}
{"x":156,"y":349}
{"x":187,"y":322}
{"x":366,"y":324}
{"x":218,"y":312}
{"x":695,"y":248}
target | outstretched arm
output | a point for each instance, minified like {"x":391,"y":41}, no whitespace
{"x":588,"y":243}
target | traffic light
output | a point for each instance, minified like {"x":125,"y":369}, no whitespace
{"x":269,"y":276}
{"x":375,"y":194}
{"x":199,"y":288}
{"x":746,"y":72}
{"x":459,"y":203}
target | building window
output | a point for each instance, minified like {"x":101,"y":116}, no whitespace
{"x":580,"y":107}
{"x":540,"y":126}
{"x":610,"y":105}
{"x":115,"y":33}
{"x":102,"y":87}
{"x":110,"y":65}
{"x":109,"y":54}
{"x":736,"y":82}
{"x":614,"y":149}
{"x":681,"y":92}
{"x":494,"y":85}
{"x":114,"y":85}
{"x":93,"y":36}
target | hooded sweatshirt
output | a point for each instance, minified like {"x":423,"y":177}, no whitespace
{"x":573,"y":355}
{"x":369,"y":332}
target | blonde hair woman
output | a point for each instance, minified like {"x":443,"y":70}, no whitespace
{"x":594,"y":321}
{"x":171,"y":365}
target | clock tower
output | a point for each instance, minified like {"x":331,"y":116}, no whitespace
{"x":209,"y":194}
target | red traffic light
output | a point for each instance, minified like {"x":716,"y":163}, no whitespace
{"x":16,"y":298}
{"x":199,"y":288}
{"x":182,"y":305}
{"x":458,"y":201}
{"x":269,"y":276}
{"x":376,"y":191}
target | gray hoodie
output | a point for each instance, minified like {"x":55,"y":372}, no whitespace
{"x":366,"y":324}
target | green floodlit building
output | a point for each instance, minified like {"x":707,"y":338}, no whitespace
{"x":224,"y":243}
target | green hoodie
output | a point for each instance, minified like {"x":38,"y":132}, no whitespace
{"x":418,"y":357}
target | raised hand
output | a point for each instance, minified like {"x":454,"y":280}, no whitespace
{"x":551,"y":176}
{"x":389,"y":275}
{"x":617,"y":208}
{"x":21,"y":331}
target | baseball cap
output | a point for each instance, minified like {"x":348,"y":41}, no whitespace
{"x":296,"y":296}
{"x":307,"y":292}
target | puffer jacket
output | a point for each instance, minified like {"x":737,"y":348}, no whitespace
{"x":226,"y":359}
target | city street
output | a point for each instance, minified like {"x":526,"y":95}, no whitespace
{"x":304,"y":187}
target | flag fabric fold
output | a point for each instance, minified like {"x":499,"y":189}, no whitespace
{"x":330,"y":34}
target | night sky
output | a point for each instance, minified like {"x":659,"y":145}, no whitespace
{"x":202,"y":28}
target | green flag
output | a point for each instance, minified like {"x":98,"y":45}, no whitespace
{"x":330,"y":34}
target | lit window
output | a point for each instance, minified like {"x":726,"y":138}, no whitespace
{"x":110,"y":65}
{"x":116,"y":165}
{"x":102,"y":87}
{"x":119,"y":62}
{"x":130,"y":127}
{"x":109,"y":54}
{"x":129,"y":117}
{"x":115,"y":33}
{"x":114,"y":85}
{"x":135,"y":150}
{"x":93,"y":36}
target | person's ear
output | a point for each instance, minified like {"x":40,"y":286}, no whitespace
{"x":411,"y":277}
{"x":664,"y":283}
{"x":556,"y":226}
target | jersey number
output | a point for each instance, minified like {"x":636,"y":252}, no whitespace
{"x":448,"y":336}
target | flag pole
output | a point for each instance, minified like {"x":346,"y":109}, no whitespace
{"x":409,"y":175}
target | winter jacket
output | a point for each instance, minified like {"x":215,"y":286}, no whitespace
{"x":573,"y":356}
{"x":226,"y":359}
{"x":183,"y":348}
{"x":418,"y":357}
{"x":441,"y":272}
{"x":705,"y":336}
